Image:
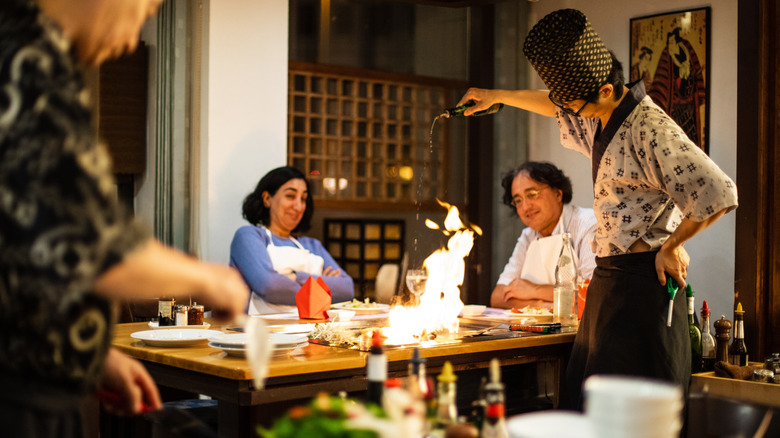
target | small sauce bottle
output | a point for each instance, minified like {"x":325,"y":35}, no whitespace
{"x":195,"y":314}
{"x":447,"y":410}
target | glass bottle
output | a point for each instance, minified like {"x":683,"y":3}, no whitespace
{"x":458,"y":110}
{"x":494,"y":425}
{"x":165,"y":315}
{"x":707,"y":341}
{"x":376,"y":369}
{"x":479,"y":405}
{"x":447,"y":409}
{"x":694,"y":332}
{"x":565,"y":287}
{"x":738,"y":354}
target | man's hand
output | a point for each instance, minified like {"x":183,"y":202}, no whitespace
{"x":125,"y":385}
{"x":520,"y":293}
{"x":227,"y":294}
{"x":673,"y":260}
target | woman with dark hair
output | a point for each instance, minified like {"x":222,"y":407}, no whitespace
{"x":540,"y":194}
{"x":273,"y":262}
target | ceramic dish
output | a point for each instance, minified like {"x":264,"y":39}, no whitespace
{"x":155,"y":326}
{"x":176,"y":337}
{"x":473,"y":309}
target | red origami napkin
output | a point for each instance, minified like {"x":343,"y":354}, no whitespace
{"x":313,"y":299}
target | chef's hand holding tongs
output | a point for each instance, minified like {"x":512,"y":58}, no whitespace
{"x":671,"y":288}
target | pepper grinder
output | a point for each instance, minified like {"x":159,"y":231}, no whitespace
{"x":722,"y":336}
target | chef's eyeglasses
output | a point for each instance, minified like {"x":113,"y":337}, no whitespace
{"x":568,"y":110}
{"x":530,"y":195}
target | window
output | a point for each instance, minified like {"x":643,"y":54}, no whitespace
{"x":364,"y":137}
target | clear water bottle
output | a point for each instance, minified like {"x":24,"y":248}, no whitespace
{"x":565,"y":287}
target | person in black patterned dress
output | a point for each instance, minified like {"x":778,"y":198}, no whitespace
{"x":68,"y":250}
{"x":654,"y":190}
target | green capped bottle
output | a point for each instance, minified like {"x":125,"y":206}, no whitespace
{"x":458,"y":110}
{"x":694,"y":332}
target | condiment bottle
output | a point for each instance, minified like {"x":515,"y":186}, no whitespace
{"x":447,"y":409}
{"x":564,"y":311}
{"x":165,"y":315}
{"x":417,"y":377}
{"x":181,"y":314}
{"x":722,"y":336}
{"x":738,"y":354}
{"x":478,"y":406}
{"x":376,"y":369}
{"x":458,"y":110}
{"x":694,"y":332}
{"x":195,"y":314}
{"x":707,"y":341}
{"x":494,"y":425}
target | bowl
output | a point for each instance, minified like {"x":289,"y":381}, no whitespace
{"x":473,"y":309}
{"x":549,"y":424}
{"x":340,"y":315}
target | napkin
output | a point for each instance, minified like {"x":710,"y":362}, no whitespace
{"x":727,"y":370}
{"x":540,"y":260}
{"x":313,"y":299}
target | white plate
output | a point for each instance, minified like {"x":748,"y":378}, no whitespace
{"x":154,"y":326}
{"x":175,"y":337}
{"x":291,"y":328}
{"x":241,"y":351}
{"x":238,"y":340}
{"x":347,"y":305}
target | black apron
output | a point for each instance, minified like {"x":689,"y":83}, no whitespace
{"x":623,"y":328}
{"x":37,"y":410}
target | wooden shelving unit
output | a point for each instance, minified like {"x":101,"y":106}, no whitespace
{"x":361,"y":246}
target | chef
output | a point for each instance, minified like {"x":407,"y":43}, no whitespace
{"x":654,"y":190}
{"x":540,"y":194}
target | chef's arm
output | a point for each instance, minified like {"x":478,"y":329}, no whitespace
{"x":530,"y":100}
{"x":672,"y":257}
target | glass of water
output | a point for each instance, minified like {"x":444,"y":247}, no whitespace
{"x":415,"y":280}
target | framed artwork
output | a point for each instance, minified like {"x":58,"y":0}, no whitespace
{"x":670,"y":52}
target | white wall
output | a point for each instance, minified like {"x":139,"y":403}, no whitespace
{"x":244,"y":112}
{"x":712,"y":252}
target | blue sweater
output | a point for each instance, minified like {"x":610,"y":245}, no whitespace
{"x":249,"y":254}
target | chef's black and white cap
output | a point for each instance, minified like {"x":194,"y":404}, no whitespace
{"x":568,"y":55}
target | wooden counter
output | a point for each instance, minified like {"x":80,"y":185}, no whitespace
{"x":298,"y":374}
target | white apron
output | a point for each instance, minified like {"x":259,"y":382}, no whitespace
{"x":286,"y":259}
{"x":541,"y":258}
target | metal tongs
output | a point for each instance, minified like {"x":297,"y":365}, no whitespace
{"x":671,"y":288}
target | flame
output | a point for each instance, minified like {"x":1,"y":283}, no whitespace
{"x":440,"y":304}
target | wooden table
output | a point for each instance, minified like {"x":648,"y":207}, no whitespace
{"x":298,"y":375}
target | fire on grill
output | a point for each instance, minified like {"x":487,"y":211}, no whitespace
{"x":432,"y":318}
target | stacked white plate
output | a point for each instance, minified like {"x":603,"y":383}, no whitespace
{"x":234,"y":344}
{"x":549,"y":424}
{"x":631,"y":407}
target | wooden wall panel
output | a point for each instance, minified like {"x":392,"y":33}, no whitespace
{"x":122,"y":104}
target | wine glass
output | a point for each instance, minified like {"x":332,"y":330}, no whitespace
{"x":415,"y":280}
